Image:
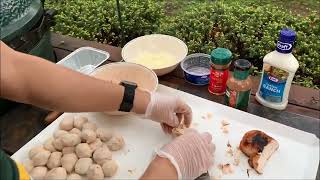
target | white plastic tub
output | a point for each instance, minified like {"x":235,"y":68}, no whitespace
{"x":85,"y":59}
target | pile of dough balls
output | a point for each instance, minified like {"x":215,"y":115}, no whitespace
{"x":77,"y":150}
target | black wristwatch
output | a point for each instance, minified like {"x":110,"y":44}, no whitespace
{"x":128,"y":97}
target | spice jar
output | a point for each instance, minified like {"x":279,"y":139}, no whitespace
{"x":219,"y":72}
{"x":239,"y":85}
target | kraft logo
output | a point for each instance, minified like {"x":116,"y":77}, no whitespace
{"x":273,"y":79}
{"x":284,"y":46}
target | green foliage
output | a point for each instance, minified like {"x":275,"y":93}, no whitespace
{"x":248,"y":27}
{"x":98,"y":20}
{"x":250,"y":32}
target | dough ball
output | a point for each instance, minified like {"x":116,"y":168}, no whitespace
{"x":115,"y":143}
{"x":68,"y":150}
{"x":82,"y":165}
{"x":57,"y":144}
{"x":95,"y":172}
{"x":109,"y":168}
{"x":28,"y":165}
{"x":68,"y":161}
{"x":83,"y":150}
{"x":94,"y":145}
{"x":67,"y":123}
{"x":56,"y":173}
{"x":101,"y":155}
{"x":33,"y":151}
{"x":104,"y":134}
{"x":59,"y":133}
{"x":75,"y":131}
{"x":88,"y":136}
{"x":74,"y":176}
{"x":54,"y":160}
{"x":48,"y":145}
{"x":70,"y":140}
{"x":39,"y":172}
{"x":41,"y":158}
{"x":89,"y":125}
{"x":79,"y":121}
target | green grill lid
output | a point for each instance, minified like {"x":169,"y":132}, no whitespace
{"x":18,"y":17}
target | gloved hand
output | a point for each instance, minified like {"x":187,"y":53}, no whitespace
{"x":190,"y":153}
{"x":169,"y":111}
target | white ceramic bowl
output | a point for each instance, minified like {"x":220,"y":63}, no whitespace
{"x":117,"y":72}
{"x":156,"y":43}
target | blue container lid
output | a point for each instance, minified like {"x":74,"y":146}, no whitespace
{"x":286,"y":40}
{"x":287,"y":35}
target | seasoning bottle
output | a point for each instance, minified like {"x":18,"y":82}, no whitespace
{"x":239,"y":86}
{"x":279,"y":67}
{"x":219,"y":72}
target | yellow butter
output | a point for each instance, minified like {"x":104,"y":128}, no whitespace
{"x":155,"y":60}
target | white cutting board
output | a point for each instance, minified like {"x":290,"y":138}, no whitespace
{"x":297,"y":157}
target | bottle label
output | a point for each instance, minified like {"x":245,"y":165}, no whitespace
{"x":273,"y":83}
{"x":237,"y":99}
{"x":218,"y":80}
{"x":284,"y":47}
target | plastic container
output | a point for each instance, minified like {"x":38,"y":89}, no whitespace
{"x":85,"y":59}
{"x":196,"y":68}
{"x":278,"y":71}
{"x":156,"y":46}
{"x":219,"y":73}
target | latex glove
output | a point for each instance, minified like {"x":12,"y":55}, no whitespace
{"x":168,"y":110}
{"x":190,"y":153}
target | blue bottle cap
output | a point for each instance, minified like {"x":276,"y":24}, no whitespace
{"x":286,"y":40}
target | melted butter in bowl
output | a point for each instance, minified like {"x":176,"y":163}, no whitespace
{"x":155,"y":60}
{"x":159,"y":52}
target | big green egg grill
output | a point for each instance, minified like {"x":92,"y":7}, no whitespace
{"x":25,"y":27}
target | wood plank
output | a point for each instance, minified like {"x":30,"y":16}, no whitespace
{"x":20,"y":125}
{"x":299,"y":96}
{"x":70,"y":44}
{"x":202,"y":91}
{"x":61,"y":53}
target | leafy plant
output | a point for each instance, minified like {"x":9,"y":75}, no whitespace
{"x":248,"y":28}
{"x":98,"y":20}
{"x":250,"y":32}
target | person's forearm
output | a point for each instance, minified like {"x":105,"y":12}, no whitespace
{"x":32,"y":80}
{"x":160,"y":168}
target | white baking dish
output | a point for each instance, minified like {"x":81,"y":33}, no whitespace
{"x":296,"y":158}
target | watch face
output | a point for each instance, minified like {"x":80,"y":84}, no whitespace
{"x":129,"y":83}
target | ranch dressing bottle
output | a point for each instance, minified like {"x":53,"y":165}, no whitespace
{"x":279,"y":68}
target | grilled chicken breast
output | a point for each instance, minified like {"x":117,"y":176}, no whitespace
{"x":259,"y":147}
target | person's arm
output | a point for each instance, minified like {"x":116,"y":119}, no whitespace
{"x":160,"y":168}
{"x":33,"y":80}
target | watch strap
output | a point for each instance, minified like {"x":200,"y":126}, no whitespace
{"x":128,"y":96}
